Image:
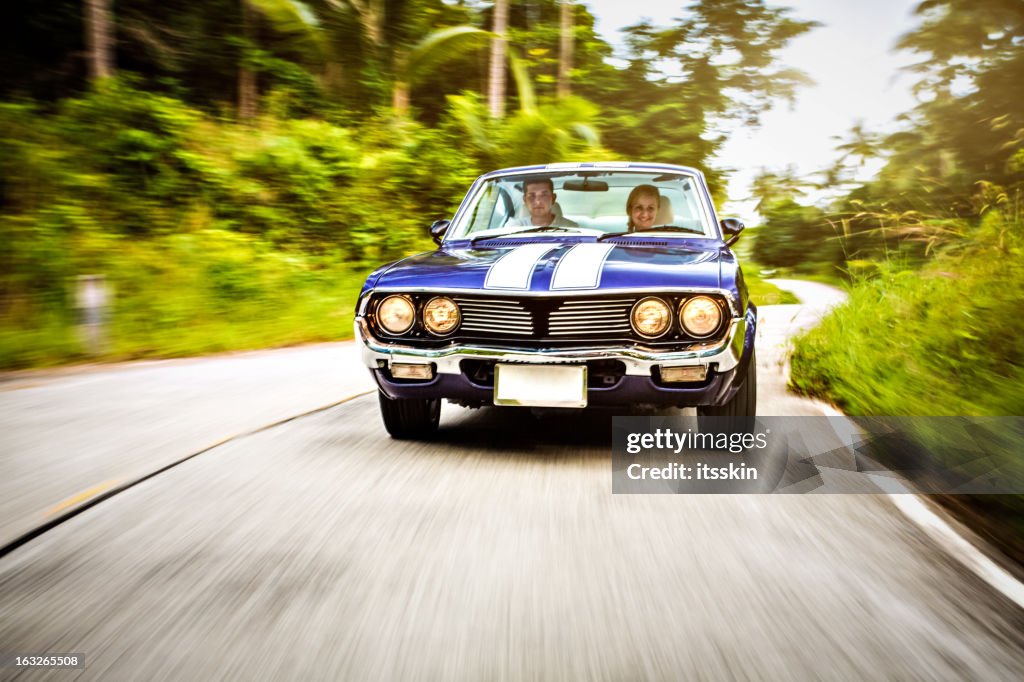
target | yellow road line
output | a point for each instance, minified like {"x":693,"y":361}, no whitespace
{"x":83,"y":496}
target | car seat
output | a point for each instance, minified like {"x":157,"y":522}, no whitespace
{"x":665,"y":216}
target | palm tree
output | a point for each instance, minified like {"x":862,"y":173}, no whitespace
{"x":288,"y":15}
{"x":496,"y":82}
{"x":435,"y":48}
{"x":407,"y":63}
{"x":372,"y":16}
{"x":770,"y":187}
{"x":99,"y":29}
{"x":534,"y":134}
{"x":565,"y":48}
{"x":861,"y":144}
{"x":248,"y":90}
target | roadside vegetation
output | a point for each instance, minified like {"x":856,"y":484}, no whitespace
{"x":232,"y":169}
{"x":940,"y":339}
{"x":762,"y":292}
{"x":932,"y":247}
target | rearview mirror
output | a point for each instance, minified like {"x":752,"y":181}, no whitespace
{"x":731,"y":228}
{"x":586,"y":185}
{"x":438,"y":228}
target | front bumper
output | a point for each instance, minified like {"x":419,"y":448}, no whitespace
{"x":724,"y":361}
{"x":629,"y":390}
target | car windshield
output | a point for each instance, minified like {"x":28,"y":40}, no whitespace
{"x":585,"y":202}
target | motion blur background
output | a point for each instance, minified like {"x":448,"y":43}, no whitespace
{"x":180,"y":178}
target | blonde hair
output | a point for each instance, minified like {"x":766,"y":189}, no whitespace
{"x":641,"y":191}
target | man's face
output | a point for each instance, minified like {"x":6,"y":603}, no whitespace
{"x":539,"y":198}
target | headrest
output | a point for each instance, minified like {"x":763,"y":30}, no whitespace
{"x":665,"y":216}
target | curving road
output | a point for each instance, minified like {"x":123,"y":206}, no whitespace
{"x":321,"y":549}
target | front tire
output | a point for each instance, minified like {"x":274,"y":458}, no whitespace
{"x":409,"y":418}
{"x":739,"y":412}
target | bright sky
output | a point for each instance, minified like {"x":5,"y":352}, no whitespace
{"x":850,"y":58}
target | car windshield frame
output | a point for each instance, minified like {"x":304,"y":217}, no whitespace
{"x":594,"y":198}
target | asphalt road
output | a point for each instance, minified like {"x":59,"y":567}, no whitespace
{"x":321,"y":549}
{"x":68,"y":435}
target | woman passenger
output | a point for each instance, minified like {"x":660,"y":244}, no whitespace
{"x":642,"y":207}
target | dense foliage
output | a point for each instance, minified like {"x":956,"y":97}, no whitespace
{"x":958,"y":155}
{"x":940,"y":339}
{"x":933,"y":243}
{"x":231,"y":167}
{"x":936,"y":248}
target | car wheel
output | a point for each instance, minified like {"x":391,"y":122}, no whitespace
{"x":737,"y":414}
{"x":409,"y":418}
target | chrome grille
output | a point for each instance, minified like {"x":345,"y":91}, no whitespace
{"x":578,"y":318}
{"x":495,"y":315}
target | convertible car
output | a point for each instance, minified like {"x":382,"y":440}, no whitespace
{"x":566,"y":285}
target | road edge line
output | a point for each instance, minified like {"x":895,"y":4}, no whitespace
{"x":914,"y":508}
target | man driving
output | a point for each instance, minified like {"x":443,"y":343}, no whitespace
{"x":539,"y":197}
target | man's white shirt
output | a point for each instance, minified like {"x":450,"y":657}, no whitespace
{"x":527,"y":221}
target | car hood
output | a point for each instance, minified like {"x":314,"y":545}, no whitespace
{"x":552,"y":266}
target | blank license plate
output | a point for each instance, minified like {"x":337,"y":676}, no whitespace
{"x":540,"y":385}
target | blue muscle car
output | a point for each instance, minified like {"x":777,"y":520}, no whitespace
{"x":566,"y":285}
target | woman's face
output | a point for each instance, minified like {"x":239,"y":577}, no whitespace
{"x":644,"y":211}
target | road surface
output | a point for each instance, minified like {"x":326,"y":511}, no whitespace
{"x":321,"y":549}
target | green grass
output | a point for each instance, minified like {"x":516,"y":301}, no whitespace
{"x":42,"y":341}
{"x":765,"y":293}
{"x":193,"y":294}
{"x":944,"y":339}
{"x":821,"y":273}
{"x":321,"y":312}
{"x":175,"y":311}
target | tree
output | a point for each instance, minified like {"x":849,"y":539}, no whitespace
{"x":248,"y":92}
{"x":99,"y":29}
{"x":860,"y":144}
{"x":391,"y":59}
{"x":543,"y":133}
{"x":971,"y":120}
{"x":770,"y":187}
{"x":435,"y":48}
{"x":795,"y":236}
{"x":372,"y":15}
{"x":496,"y":81}
{"x":557,"y":41}
{"x":565,"y":48}
{"x":287,"y":16}
{"x":726,"y":51}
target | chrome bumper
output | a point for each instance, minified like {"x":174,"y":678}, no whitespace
{"x":722,"y":356}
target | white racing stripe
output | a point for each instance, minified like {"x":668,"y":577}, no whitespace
{"x":581,"y":268}
{"x":515,"y":269}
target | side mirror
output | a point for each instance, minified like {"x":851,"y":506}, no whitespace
{"x":731,"y":228}
{"x":438,"y":229}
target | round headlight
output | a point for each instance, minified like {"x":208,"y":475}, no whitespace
{"x":441,"y":315}
{"x":651,"y":317}
{"x":700,"y":316}
{"x":396,"y":314}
